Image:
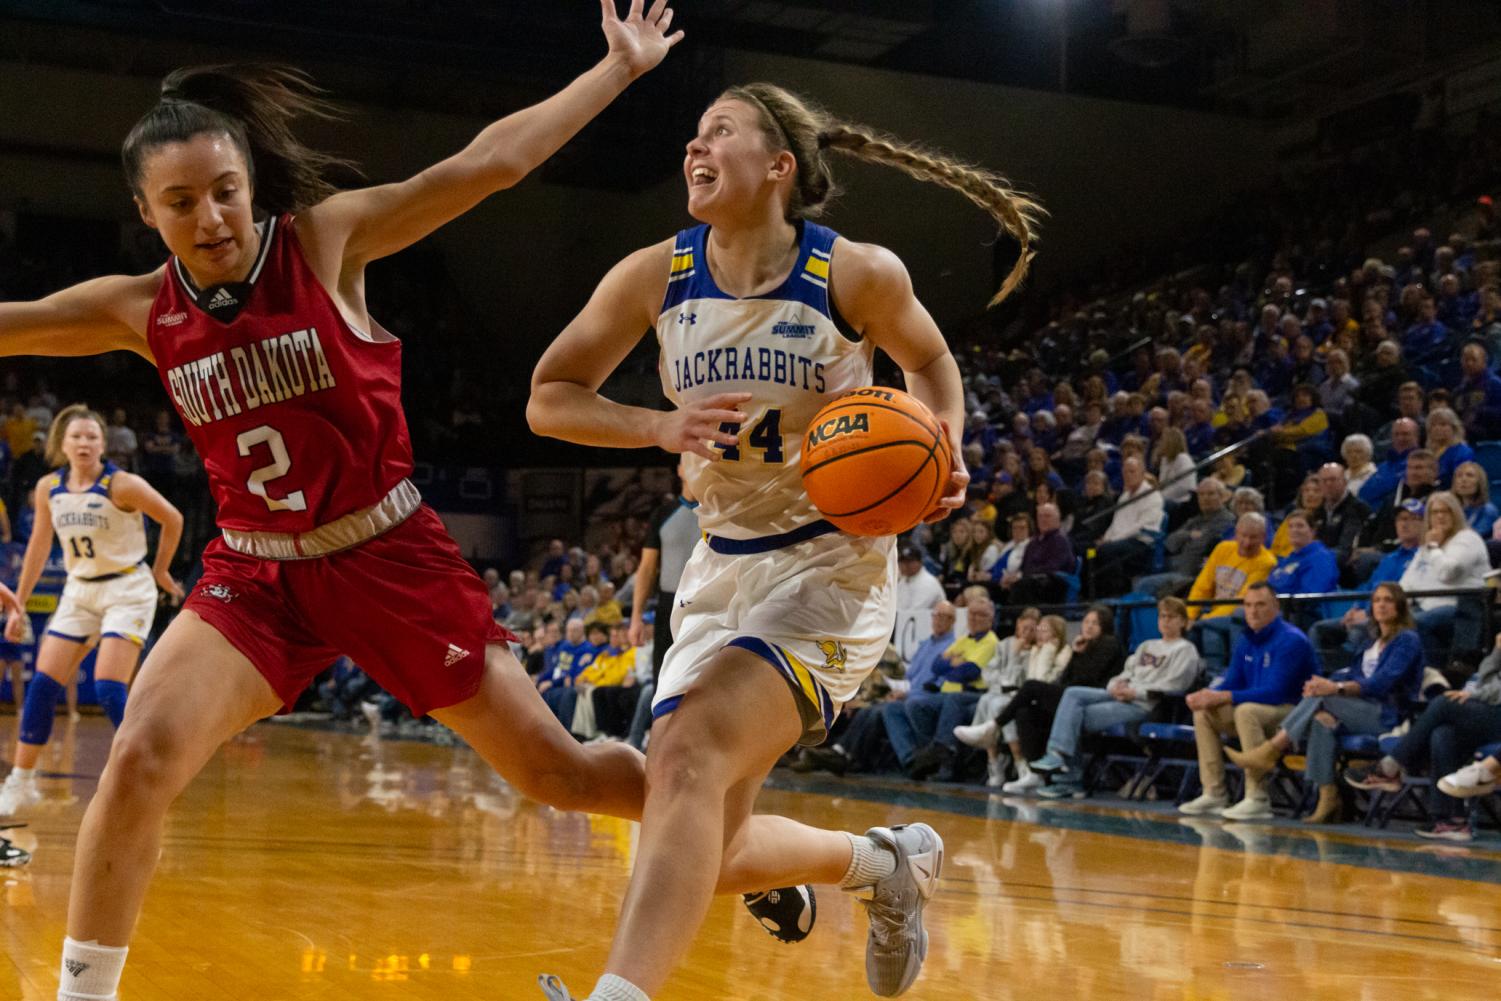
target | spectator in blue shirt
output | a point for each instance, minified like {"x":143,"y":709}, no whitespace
{"x":1426,"y":340}
{"x":1446,"y":440}
{"x":1473,"y":492}
{"x":1268,"y":668}
{"x":1310,"y":568}
{"x":1478,"y":397}
{"x":1332,"y":636}
{"x":1383,"y":483}
{"x":859,"y":747}
{"x":1369,"y":697}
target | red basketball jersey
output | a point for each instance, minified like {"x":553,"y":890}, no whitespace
{"x":297,"y":417}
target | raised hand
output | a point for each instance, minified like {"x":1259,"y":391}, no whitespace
{"x":691,"y":428}
{"x":641,"y":41}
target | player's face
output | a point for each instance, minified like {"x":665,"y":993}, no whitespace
{"x":728,"y":164}
{"x":83,"y":442}
{"x":196,"y":194}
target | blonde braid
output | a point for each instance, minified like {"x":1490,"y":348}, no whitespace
{"x":1015,"y":212}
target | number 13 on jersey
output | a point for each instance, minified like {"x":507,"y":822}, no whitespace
{"x":281,"y":464}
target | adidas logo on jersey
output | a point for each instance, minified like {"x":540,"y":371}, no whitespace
{"x":455,"y":654}
{"x":222,"y":300}
{"x":171,"y":319}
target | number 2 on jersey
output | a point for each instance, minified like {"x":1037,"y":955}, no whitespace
{"x":281,"y":464}
{"x":766,"y":435}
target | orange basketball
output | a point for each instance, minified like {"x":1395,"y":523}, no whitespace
{"x":875,"y":461}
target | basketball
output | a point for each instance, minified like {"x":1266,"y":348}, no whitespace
{"x":875,"y":461}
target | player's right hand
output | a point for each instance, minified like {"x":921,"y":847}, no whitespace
{"x":640,"y":40}
{"x":15,"y":626}
{"x":693,"y":428}
{"x":637,"y":631}
{"x":169,"y":584}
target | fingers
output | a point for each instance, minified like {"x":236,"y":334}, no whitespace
{"x":724,"y":401}
{"x":607,"y":11}
{"x":719,"y":417}
{"x":666,"y":22}
{"x":635,"y":11}
{"x":654,"y":13}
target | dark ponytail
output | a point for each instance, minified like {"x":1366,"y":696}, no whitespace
{"x":254,"y":105}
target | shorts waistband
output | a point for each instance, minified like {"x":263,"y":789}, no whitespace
{"x":113,"y":576}
{"x":340,"y":534}
{"x":766,"y":543}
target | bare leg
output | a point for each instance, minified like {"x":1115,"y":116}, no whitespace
{"x":116,"y":660}
{"x":509,"y":725}
{"x":17,"y":683}
{"x":708,"y":760}
{"x":58,"y":659}
{"x":195,"y":692}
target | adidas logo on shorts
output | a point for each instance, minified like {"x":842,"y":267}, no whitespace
{"x":455,"y":654}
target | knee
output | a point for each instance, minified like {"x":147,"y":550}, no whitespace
{"x":683,"y":765}
{"x":143,"y":764}
{"x":1325,"y":719}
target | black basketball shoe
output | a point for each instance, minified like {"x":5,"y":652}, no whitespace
{"x":787,"y":914}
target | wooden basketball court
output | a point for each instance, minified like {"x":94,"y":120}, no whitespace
{"x":307,"y":864}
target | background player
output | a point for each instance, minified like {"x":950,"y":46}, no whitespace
{"x":762,"y":317}
{"x":110,"y":600}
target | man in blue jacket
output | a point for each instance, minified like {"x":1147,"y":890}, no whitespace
{"x":1311,"y":568}
{"x":1270,"y":662}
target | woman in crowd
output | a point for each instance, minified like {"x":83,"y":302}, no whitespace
{"x":1357,"y":450}
{"x":1442,"y":741}
{"x":1161,"y":666}
{"x":1446,"y":440}
{"x":1094,"y":657}
{"x":1310,"y":501}
{"x":1452,"y":556}
{"x":1174,"y":467}
{"x":1473,"y":491}
{"x":1370,"y":697}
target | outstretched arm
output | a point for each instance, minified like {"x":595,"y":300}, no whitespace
{"x":37,"y":549}
{"x":565,"y":401}
{"x":873,"y":290}
{"x":363,"y":225}
{"x":93,"y":317}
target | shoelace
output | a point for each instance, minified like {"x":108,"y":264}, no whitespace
{"x":889,"y":922}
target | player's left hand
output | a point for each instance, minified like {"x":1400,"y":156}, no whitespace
{"x":173,"y":589}
{"x":954,"y":495}
{"x":641,"y":41}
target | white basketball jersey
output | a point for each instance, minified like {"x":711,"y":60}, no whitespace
{"x":787,"y":348}
{"x":96,"y":536}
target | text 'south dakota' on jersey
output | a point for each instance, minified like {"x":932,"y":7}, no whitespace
{"x":271,"y":370}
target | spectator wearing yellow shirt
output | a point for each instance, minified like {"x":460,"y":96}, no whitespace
{"x":611,"y":685}
{"x":1232,"y":567}
{"x":20,"y":432}
{"x":607,"y":610}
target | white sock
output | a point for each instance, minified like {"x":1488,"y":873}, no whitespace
{"x":23,"y":774}
{"x":1022,"y":769}
{"x":90,"y":971}
{"x":613,"y":988}
{"x":1388,"y":766}
{"x":869,"y":863}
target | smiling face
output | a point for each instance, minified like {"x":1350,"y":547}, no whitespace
{"x":730,"y":168}
{"x":197,"y":196}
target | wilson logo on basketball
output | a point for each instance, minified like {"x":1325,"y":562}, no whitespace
{"x":843,"y":424}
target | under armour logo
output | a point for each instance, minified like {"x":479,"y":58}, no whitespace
{"x":75,"y":967}
{"x":688,"y":318}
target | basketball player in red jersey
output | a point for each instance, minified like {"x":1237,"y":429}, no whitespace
{"x":290,"y":392}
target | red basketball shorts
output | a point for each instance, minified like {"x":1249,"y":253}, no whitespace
{"x":404,"y":606}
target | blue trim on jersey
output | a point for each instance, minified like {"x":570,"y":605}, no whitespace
{"x":767,"y":543}
{"x":692,"y":280}
{"x":665,"y":706}
{"x":100,"y":485}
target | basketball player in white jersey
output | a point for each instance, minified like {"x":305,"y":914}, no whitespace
{"x":95,"y":509}
{"x":762,"y":318}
